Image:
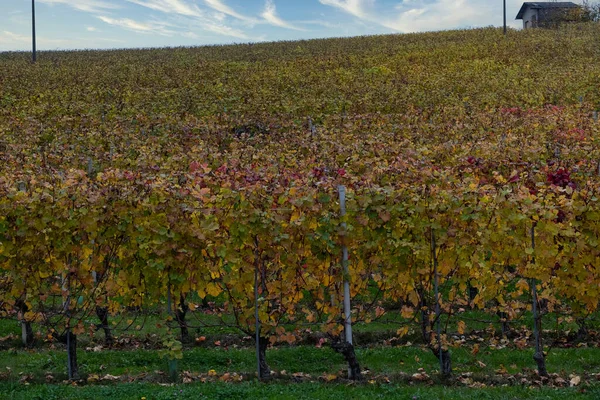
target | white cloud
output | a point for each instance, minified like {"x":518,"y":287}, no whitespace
{"x":427,"y":15}
{"x":8,"y":37}
{"x":223,"y":8}
{"x":190,"y":35}
{"x":11,"y":38}
{"x":227,"y":31}
{"x":419,"y":15}
{"x":219,"y":16}
{"x":159,"y":28}
{"x":192,"y":15}
{"x":270,"y":15}
{"x":10,"y":41}
{"x":222,"y":21}
{"x":353,"y":7}
{"x":171,"y":7}
{"x":323,"y":23}
{"x":93,"y":6}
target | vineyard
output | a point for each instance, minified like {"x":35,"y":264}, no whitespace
{"x":445,"y":185}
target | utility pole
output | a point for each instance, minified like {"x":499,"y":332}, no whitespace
{"x":34,"y":52}
{"x":505,"y":17}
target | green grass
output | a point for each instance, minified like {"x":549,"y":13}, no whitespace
{"x":146,"y":368}
{"x":311,"y":360}
{"x":9,"y":326}
{"x":279,"y":391}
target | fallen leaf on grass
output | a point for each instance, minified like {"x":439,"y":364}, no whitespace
{"x":420,"y":376}
{"x":329,"y":377}
{"x":478,"y":385}
{"x":560,"y":381}
{"x":187,"y":377}
{"x":502,"y":370}
{"x":575,"y":380}
{"x":301,"y":375}
{"x":465,"y":381}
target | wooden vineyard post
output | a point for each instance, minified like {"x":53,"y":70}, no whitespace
{"x":257,"y":321}
{"x":26,"y":330}
{"x":262,"y":342}
{"x":444,"y":356}
{"x":172,"y":361}
{"x":311,"y":127}
{"x":71,"y":339}
{"x":538,"y":356}
{"x":101,"y":311}
{"x":437,"y":298}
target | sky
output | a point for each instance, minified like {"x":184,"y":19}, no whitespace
{"x":105,"y":24}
